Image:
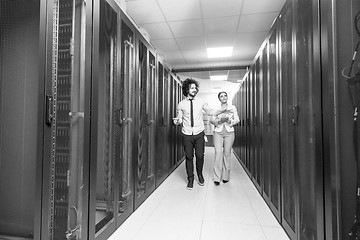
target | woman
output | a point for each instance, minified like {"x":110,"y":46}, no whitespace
{"x":224,"y":137}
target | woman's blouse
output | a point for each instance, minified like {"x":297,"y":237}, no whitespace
{"x":230,"y":113}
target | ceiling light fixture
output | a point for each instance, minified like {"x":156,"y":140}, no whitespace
{"x":218,"y":78}
{"x":219,"y":52}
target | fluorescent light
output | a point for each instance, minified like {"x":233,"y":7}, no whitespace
{"x":218,"y":78}
{"x":219,"y":52}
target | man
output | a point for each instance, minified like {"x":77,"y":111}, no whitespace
{"x":190,"y":114}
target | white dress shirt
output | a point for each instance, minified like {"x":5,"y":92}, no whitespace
{"x":183,"y":114}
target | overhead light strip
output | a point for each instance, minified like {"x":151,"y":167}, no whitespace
{"x":219,"y":52}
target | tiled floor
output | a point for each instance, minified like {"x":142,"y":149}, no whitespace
{"x":234,"y":210}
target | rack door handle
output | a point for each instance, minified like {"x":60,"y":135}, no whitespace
{"x":76,"y":114}
{"x":49,"y":110}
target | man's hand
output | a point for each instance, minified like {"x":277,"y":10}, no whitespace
{"x":176,"y":121}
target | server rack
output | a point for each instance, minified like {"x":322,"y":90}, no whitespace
{"x":284,"y":98}
{"x":66,"y":120}
{"x":145,"y":121}
{"x":21,"y":117}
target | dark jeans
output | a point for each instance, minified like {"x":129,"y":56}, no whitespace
{"x":191,"y":143}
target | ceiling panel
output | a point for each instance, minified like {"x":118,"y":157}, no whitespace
{"x":158,"y":30}
{"x":145,"y":11}
{"x":217,"y":8}
{"x":221,"y":25}
{"x":195,"y":56}
{"x":256,"y":22}
{"x":200,"y":75}
{"x":219,"y":72}
{"x":220,"y":40}
{"x":262,"y":6}
{"x":171,"y":55}
{"x":175,"y":62}
{"x":181,"y":29}
{"x":187,"y":28}
{"x":245,"y":52}
{"x":191,"y":43}
{"x":175,"y":10}
{"x":165,"y":44}
{"x":235,"y":75}
{"x":251,"y":38}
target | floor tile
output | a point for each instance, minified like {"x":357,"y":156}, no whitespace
{"x":215,"y":230}
{"x":234,"y":210}
{"x":275,"y":233}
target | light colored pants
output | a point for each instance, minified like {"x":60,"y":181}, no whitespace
{"x":223,"y":143}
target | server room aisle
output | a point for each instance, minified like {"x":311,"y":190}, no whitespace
{"x":234,"y":210}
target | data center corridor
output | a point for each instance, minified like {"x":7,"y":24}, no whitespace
{"x":234,"y":210}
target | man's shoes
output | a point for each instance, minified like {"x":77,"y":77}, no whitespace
{"x":190,"y":184}
{"x":216,"y":183}
{"x":201,"y":180}
{"x":225,"y":181}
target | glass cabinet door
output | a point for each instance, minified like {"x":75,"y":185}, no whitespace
{"x":106,"y":125}
{"x":151,"y":111}
{"x":142,"y":124}
{"x":160,"y":139}
{"x":257,"y":124}
{"x":65,"y":117}
{"x":274,"y":125}
{"x":125,"y":107}
{"x":145,"y":165}
{"x":266,"y":123}
{"x":287,"y":124}
{"x":310,"y":165}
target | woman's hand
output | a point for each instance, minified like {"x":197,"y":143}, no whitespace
{"x":224,"y":119}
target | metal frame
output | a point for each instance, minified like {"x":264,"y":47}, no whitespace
{"x":331,"y":142}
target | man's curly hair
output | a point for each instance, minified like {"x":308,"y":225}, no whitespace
{"x":186,"y":85}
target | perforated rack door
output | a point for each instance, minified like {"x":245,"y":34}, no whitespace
{"x":63,"y":15}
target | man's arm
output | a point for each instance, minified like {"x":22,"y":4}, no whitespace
{"x":179,"y":116}
{"x":210,"y":111}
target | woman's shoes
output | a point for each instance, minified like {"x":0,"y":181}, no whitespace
{"x":218,"y":183}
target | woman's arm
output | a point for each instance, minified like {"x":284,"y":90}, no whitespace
{"x":214,"y":120}
{"x":235,"y":119}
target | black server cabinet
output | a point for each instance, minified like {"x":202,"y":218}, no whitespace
{"x":140,"y":121}
{"x":172,"y":112}
{"x":248,"y":121}
{"x":21,"y":117}
{"x":270,"y":125}
{"x":113,"y":111}
{"x":162,"y":161}
{"x":152,"y":116}
{"x":285,"y":85}
{"x":308,"y":121}
{"x":266,"y":136}
{"x":145,"y":112}
{"x":301,"y":121}
{"x":273,"y":123}
{"x":258,"y":178}
{"x":251,"y":135}
{"x":67,"y":121}
{"x":244,"y":121}
{"x":179,"y":147}
{"x":167,"y":117}
{"x":288,"y":177}
{"x":126,"y":115}
{"x":105,"y":130}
